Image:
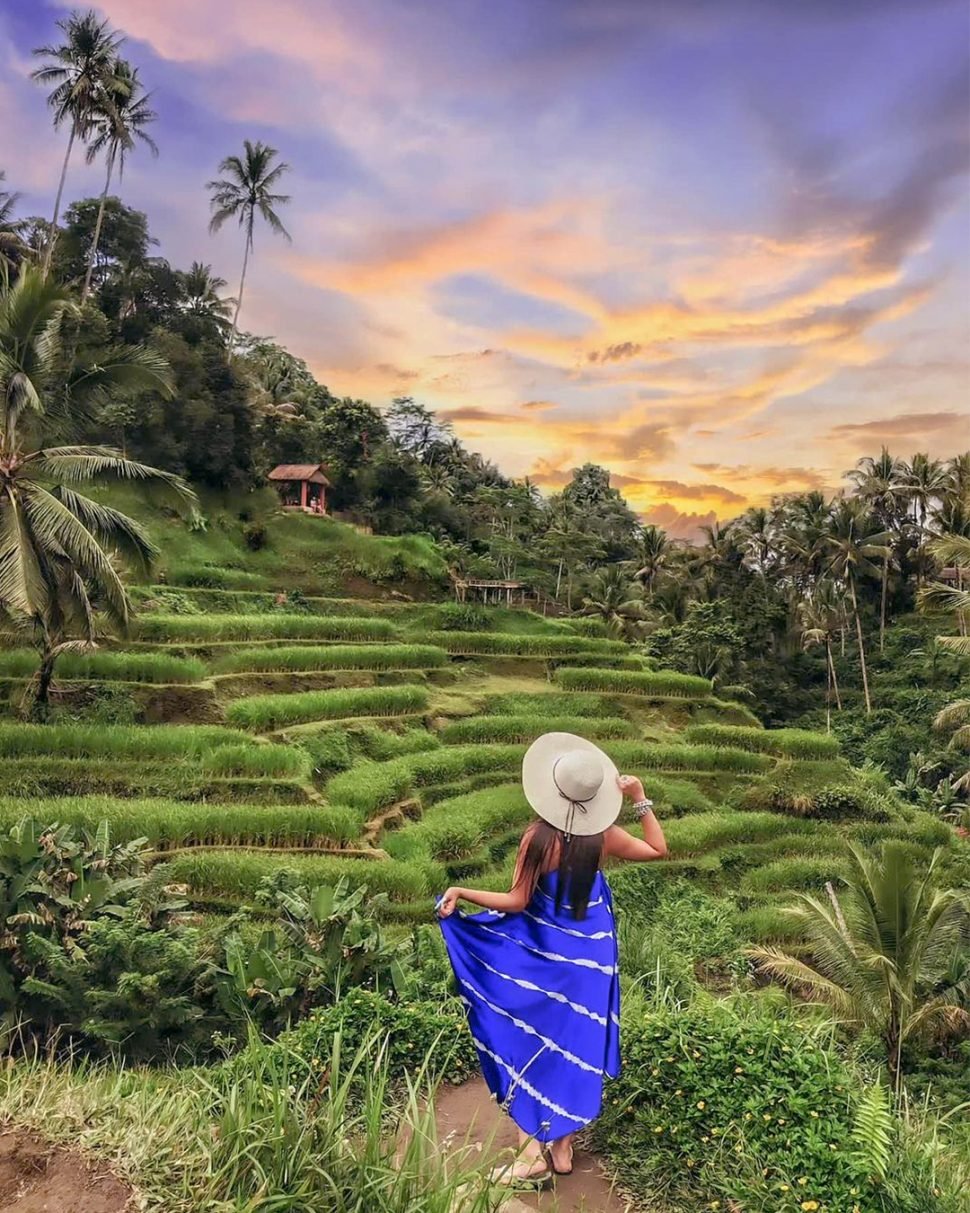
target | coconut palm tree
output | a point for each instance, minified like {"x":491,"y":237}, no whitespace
{"x":614,"y":599}
{"x":821,"y":618}
{"x":245,"y":189}
{"x":10,"y":242}
{"x":653,"y":549}
{"x":201,"y":295}
{"x":755,"y":529}
{"x":118,"y":119}
{"x":953,"y":550}
{"x":81,"y":70}
{"x":926,"y":481}
{"x":881,"y":483}
{"x":851,"y":545}
{"x":888,"y":956}
{"x":56,"y":545}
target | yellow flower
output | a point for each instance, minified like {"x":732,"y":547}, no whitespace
{"x":658,"y":1129}
{"x":856,"y":1209}
{"x":781,"y":1120}
{"x":803,"y":1181}
{"x":814,"y":1115}
{"x":701,"y":1104}
{"x":833,"y":1146}
{"x":747,"y":1116}
{"x":784,"y":1187}
{"x":738,"y":1070}
{"x":810,"y":1205}
{"x":715,"y":1204}
{"x":655,"y":1072}
{"x":767,"y":1116}
{"x":678,"y":1091}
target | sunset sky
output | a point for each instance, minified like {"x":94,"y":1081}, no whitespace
{"x":721,"y":246}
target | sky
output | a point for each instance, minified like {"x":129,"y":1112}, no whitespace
{"x":720,"y":246}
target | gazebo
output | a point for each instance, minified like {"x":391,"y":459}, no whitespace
{"x":301,"y":486}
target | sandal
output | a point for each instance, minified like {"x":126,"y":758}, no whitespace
{"x":560,"y":1170}
{"x":536,"y":1181}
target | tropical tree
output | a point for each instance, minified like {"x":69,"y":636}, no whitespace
{"x":10,"y":240}
{"x":890,"y":956}
{"x":201,"y":295}
{"x":81,"y":70}
{"x":247,"y":188}
{"x":938,"y":596}
{"x":881,"y":483}
{"x":926,"y":481}
{"x":653,"y":550}
{"x":851,"y":545}
{"x":821,"y":617}
{"x":614,"y":598}
{"x":118,"y":119}
{"x":57,"y":574}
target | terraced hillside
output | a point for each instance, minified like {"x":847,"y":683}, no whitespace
{"x":383,"y":741}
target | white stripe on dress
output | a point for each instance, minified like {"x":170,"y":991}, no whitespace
{"x":581,"y":962}
{"x":527,"y":1027}
{"x":568,"y":930}
{"x":520,"y":1081}
{"x":530,"y":985}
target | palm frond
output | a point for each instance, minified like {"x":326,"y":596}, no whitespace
{"x":23,"y":589}
{"x":81,"y":464}
{"x":112,"y":528}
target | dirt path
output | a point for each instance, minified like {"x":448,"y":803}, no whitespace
{"x":469,"y":1112}
{"x":36,"y":1177}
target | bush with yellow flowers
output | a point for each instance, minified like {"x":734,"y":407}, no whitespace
{"x":722,"y":1102}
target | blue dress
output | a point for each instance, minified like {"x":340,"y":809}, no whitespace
{"x":542,"y":994}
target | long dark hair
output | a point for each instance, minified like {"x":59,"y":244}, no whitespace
{"x":580,"y":856}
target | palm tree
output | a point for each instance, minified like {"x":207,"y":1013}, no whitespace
{"x":614,"y":598}
{"x":119,"y":118}
{"x":653,"y":548}
{"x":56,"y":545}
{"x":852,"y":544}
{"x":10,"y":242}
{"x":822,"y":618}
{"x":201,"y":295}
{"x":755,"y":527}
{"x":81,"y":69}
{"x":881,"y":484}
{"x":955,"y":551}
{"x":926,"y":481}
{"x":883,"y":957}
{"x":244,"y":190}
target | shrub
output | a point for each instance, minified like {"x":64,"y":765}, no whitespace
{"x":202,"y":628}
{"x":210,"y":576}
{"x":274,"y":711}
{"x":412,"y":1033}
{"x":479,"y":729}
{"x":824,"y":790}
{"x":659,"y":684}
{"x":107,"y":665}
{"x":795,"y":872}
{"x":790,"y":743}
{"x":702,"y":1084}
{"x":334,"y":657}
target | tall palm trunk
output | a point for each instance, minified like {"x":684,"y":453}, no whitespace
{"x":242,"y":285}
{"x":882,"y":602}
{"x":45,"y":676}
{"x":52,"y":234}
{"x":96,"y":238}
{"x":862,"y":644}
{"x":559,"y":577}
{"x":833,"y":675}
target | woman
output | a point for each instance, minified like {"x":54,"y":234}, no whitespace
{"x":537,"y":970}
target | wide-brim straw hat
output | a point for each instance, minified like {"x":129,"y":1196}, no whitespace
{"x":571,"y":783}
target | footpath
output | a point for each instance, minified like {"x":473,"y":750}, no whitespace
{"x":468,"y":1113}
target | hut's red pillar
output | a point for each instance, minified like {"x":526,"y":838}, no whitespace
{"x":303,"y":487}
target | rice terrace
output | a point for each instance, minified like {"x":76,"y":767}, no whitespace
{"x":272,"y":658}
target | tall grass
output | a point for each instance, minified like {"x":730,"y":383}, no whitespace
{"x":263,"y":627}
{"x":506,"y":644}
{"x":373,"y":785}
{"x":523,"y":703}
{"x":649,"y":756}
{"x":53,"y":776}
{"x":457,"y":827}
{"x":237,"y":874}
{"x":212,"y":576}
{"x":789,"y":743}
{"x":479,"y":729}
{"x":127,"y":742}
{"x":305,"y":658}
{"x":275,"y":711}
{"x":278,"y":1134}
{"x":107,"y":665}
{"x":660,"y":684}
{"x":700,"y":832}
{"x":176,"y":823}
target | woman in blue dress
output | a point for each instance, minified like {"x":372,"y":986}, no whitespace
{"x":537,"y":968}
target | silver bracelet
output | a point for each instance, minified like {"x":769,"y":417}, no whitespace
{"x":642,"y":808}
